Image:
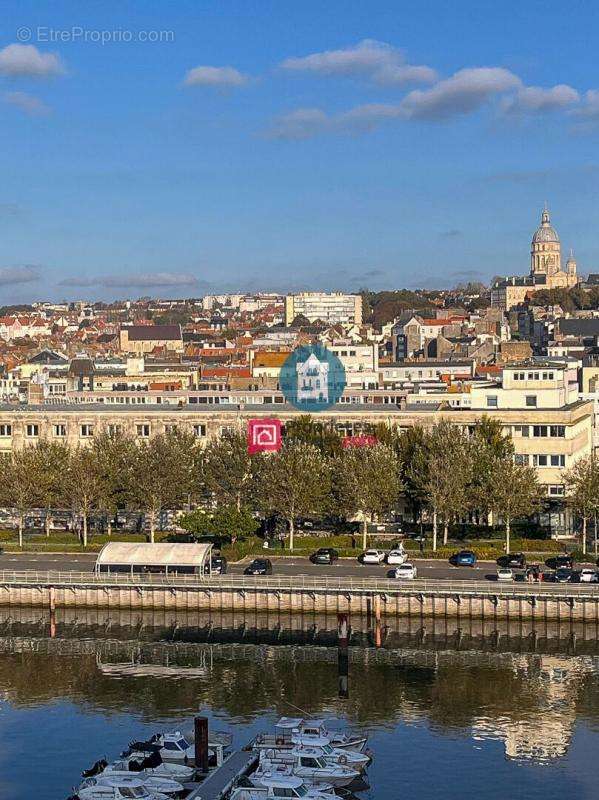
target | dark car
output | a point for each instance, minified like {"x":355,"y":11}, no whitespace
{"x":563,"y":575}
{"x":259,"y":566}
{"x":181,"y":538}
{"x":465,"y":558}
{"x":324,"y":555}
{"x":512,"y":560}
{"x":218,"y":565}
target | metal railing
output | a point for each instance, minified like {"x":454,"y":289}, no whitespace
{"x":305,"y":583}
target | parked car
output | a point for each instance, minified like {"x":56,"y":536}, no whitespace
{"x":513,"y":560}
{"x":464,"y":558}
{"x":259,"y":566}
{"x":563,"y":575}
{"x":406,"y":572}
{"x":218,"y":565}
{"x":397,"y":556}
{"x":588,"y":575}
{"x":324,"y":555}
{"x":372,"y":557}
{"x":505,"y":574}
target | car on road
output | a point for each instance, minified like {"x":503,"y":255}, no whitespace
{"x":259,"y":566}
{"x":463,"y":558}
{"x":324,"y":555}
{"x":397,"y":556}
{"x":372,"y":556}
{"x":505,"y":574}
{"x":588,"y":575}
{"x":512,"y":560}
{"x":563,"y":575}
{"x":406,"y":572}
{"x":218,"y":565}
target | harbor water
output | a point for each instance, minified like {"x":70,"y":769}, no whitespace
{"x":494,"y":712}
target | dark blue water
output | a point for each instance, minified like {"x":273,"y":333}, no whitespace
{"x":442,"y":724}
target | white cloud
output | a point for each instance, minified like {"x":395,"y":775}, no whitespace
{"x":376,"y":61}
{"x":28,"y":273}
{"x":26,"y":61}
{"x":135,"y":280}
{"x":303,"y":123}
{"x":535,"y":99}
{"x":589,"y":109}
{"x":462,"y":93}
{"x":215,"y":77}
{"x":26,"y":102}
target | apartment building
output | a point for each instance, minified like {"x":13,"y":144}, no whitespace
{"x":330,"y":307}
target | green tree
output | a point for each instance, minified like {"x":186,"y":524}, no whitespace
{"x":114,"y":454}
{"x":19,"y":482}
{"x":367,"y":480}
{"x":51,"y":468}
{"x":413,"y":453}
{"x":294,"y":482}
{"x":582,"y":491}
{"x":448,"y":474}
{"x":514,"y":492}
{"x":83,"y":486}
{"x":487,"y":444}
{"x":224,"y":521}
{"x":229,"y":469}
{"x":160,"y":476}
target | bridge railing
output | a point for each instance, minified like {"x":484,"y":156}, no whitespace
{"x":294,"y":582}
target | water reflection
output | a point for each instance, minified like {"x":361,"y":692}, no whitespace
{"x":527,"y":689}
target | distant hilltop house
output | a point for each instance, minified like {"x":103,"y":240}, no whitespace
{"x":545,"y":269}
{"x":312,"y":380}
{"x":140,"y":339}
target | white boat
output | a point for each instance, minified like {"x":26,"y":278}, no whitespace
{"x":282,"y":785}
{"x":153,"y":783}
{"x":144,"y":764}
{"x":319,"y":747}
{"x":311,"y":769}
{"x":174,"y":747}
{"x":116,"y":788}
{"x":307,"y":730}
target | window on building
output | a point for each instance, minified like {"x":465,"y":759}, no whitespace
{"x":170,"y":428}
{"x":491,"y":401}
{"x":539,"y":461}
{"x":522,"y":459}
{"x":32,"y":429}
{"x":143,"y":430}
{"x":199,"y":430}
{"x":531,"y":400}
{"x":551,"y":378}
{"x":86,"y":431}
{"x":558,"y":461}
{"x":5,"y":430}
{"x":59,"y":430}
{"x":115,"y":429}
{"x":523,"y":430}
{"x":557,"y":430}
{"x":557,"y":490}
{"x":539,"y":430}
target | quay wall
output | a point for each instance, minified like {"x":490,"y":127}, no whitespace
{"x":374,"y":604}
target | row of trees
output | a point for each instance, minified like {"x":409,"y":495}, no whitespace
{"x":443,"y":471}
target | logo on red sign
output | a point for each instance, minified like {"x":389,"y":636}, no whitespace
{"x":264,"y":435}
{"x":358,"y":441}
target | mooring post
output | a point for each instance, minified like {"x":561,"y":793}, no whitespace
{"x":200,"y":725}
{"x":377,"y":621}
{"x":343,"y":654}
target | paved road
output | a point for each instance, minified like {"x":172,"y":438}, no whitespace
{"x":431,"y":569}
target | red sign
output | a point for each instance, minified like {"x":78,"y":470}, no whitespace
{"x":264,"y":435}
{"x":358,"y":441}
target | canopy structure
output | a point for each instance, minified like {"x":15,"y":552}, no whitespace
{"x":162,"y":557}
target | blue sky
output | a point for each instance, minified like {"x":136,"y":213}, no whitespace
{"x":291,"y":145}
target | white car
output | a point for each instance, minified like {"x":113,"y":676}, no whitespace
{"x":406,"y":572}
{"x":373,"y":556}
{"x":588,"y":575}
{"x":397,"y":557}
{"x":505,"y":574}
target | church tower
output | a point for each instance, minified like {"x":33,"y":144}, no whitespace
{"x":545,"y":250}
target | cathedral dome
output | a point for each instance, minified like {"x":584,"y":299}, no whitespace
{"x":545,"y":233}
